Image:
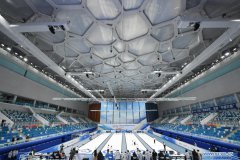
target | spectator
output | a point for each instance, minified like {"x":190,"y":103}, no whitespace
{"x":124,"y":156}
{"x":10,"y":155}
{"x":72,"y":153}
{"x":95,"y":154}
{"x":164,"y":146}
{"x":15,"y":154}
{"x":194,"y":155}
{"x":134,"y":156}
{"x":128,"y":155}
{"x":199,"y":155}
{"x":187,"y":155}
{"x":144,"y":155}
{"x":148,"y":155}
{"x":100,"y":156}
{"x":154,"y":155}
{"x":160,"y":155}
{"x":61,"y":148}
{"x":167,"y":156}
{"x":117,"y":155}
{"x":154,"y":140}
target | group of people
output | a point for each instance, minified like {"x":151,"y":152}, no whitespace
{"x":194,"y":155}
{"x":136,"y":155}
{"x":12,"y":155}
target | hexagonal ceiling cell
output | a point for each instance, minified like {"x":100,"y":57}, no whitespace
{"x":104,"y":9}
{"x":142,"y":46}
{"x":131,"y":4}
{"x":65,"y":51}
{"x":80,"y":20}
{"x":129,"y":73}
{"x":131,"y":65}
{"x":101,"y":34}
{"x":149,"y":59}
{"x":165,"y":46}
{"x":163,"y":33}
{"x":174,"y":55}
{"x":126,"y":57}
{"x":159,"y":11}
{"x":103,"y":68}
{"x":145,"y":69}
{"x":78,"y":44}
{"x":48,"y":37}
{"x":103,"y":52}
{"x":43,"y":7}
{"x":89,"y":60}
{"x":128,"y":28}
{"x":186,"y":40}
{"x":113,"y":62}
{"x":119,"y":46}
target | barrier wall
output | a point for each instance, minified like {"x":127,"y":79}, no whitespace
{"x":201,"y":142}
{"x":40,"y":144}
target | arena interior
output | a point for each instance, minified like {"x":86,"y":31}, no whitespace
{"x":120,"y":79}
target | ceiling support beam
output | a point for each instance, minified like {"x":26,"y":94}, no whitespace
{"x":111,"y":91}
{"x":209,"y":23}
{"x":39,"y":27}
{"x":222,"y":41}
{"x":36,"y":52}
{"x":127,"y":99}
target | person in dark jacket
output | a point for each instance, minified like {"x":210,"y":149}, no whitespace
{"x":100,"y":156}
{"x":195,"y":155}
{"x":134,"y":156}
{"x":160,"y":155}
{"x":154,"y":155}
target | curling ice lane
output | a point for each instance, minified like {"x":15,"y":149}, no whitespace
{"x":114,"y":143}
{"x":133,"y":143}
{"x":157,"y":146}
{"x":89,"y":147}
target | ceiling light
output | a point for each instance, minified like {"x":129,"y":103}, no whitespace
{"x":9,"y":49}
{"x":25,"y":59}
{"x":63,"y":67}
{"x":16,"y":53}
{"x":227,"y":54}
{"x":234,"y":49}
{"x":222,"y":57}
{"x":21,"y":56}
{"x":2,"y":45}
{"x":185,"y":63}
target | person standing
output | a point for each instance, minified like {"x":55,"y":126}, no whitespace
{"x":194,"y":155}
{"x":164,"y":146}
{"x":128,"y":155}
{"x":154,"y":155}
{"x":117,"y":155}
{"x":199,"y":155}
{"x":160,"y":155}
{"x":95,"y":154}
{"x":186,"y":155}
{"x":148,"y":155}
{"x":154,"y":140}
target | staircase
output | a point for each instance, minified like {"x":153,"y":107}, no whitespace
{"x":208,"y":118}
{"x":140,"y":124}
{"x":74,"y":120}
{"x":61,"y":119}
{"x":173,"y":119}
{"x":186,"y":119}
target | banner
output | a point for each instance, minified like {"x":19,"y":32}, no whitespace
{"x":219,"y":156}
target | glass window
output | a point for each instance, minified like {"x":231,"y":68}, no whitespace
{"x":129,"y":112}
{"x":6,"y":98}
{"x":229,"y":99}
{"x":109,"y":112}
{"x":123,"y":112}
{"x":103,"y":116}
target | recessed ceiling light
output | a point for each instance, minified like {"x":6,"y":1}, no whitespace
{"x":9,"y":49}
{"x":227,"y":54}
{"x":25,"y":59}
{"x":2,"y":45}
{"x":21,"y":56}
{"x":16,"y":53}
{"x":222,"y":57}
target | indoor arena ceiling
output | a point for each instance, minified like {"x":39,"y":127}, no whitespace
{"x":115,"y":45}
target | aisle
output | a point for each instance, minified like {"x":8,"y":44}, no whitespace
{"x":157,"y":146}
{"x":114,"y":143}
{"x":89,"y":147}
{"x":130,"y":139}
